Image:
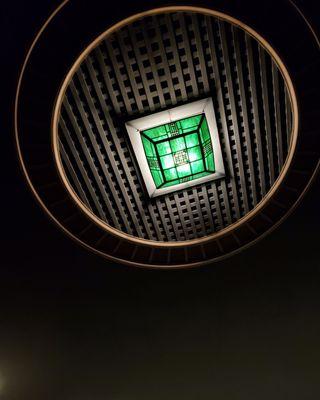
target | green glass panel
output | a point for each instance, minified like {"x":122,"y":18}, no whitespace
{"x":163,"y":148}
{"x":160,"y":138}
{"x":210,"y":163}
{"x":197,"y":166}
{"x":177,"y":144}
{"x":184,"y":170}
{"x":201,"y":175}
{"x":195,"y":153}
{"x":153,"y":163}
{"x":172,"y":183}
{"x":181,"y":155}
{"x":170,"y":174}
{"x":204,"y":131}
{"x":190,"y":124}
{"x":156,"y":133}
{"x":148,"y":147}
{"x":157,"y":177}
{"x":167,"y":161}
{"x":192,"y":139}
{"x":187,"y":179}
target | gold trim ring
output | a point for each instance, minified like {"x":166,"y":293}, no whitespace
{"x":294,"y":134}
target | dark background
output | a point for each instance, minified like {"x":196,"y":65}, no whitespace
{"x":74,"y":326}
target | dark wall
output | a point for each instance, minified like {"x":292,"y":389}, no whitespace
{"x":73,"y":326}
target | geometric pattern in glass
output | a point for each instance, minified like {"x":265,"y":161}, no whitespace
{"x":179,"y":151}
{"x":177,"y":148}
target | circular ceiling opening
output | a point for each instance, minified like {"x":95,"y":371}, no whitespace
{"x":169,"y":137}
{"x":174,"y":125}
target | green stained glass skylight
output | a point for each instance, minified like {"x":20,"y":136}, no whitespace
{"x":177,"y":148}
{"x":179,"y":151}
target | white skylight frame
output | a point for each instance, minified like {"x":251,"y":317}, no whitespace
{"x":135,"y":126}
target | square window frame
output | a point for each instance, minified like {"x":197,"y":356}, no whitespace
{"x":134,"y":128}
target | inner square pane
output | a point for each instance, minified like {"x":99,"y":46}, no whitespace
{"x":179,"y":151}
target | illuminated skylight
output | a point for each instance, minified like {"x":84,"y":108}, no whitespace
{"x":178,"y":152}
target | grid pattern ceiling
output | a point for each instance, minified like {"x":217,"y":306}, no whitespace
{"x":160,"y":62}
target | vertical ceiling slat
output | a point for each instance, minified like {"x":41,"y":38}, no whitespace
{"x":276,"y":99}
{"x":165,"y":62}
{"x":99,"y":158}
{"x":73,"y":175}
{"x":186,"y":46}
{"x":199,"y":46}
{"x":227,"y":65}
{"x":267,"y":124}
{"x":176,"y":58}
{"x":82,"y":169}
{"x":255,"y":110}
{"x":223,"y":117}
{"x":243,"y":101}
{"x":124,"y":52}
{"x":90,"y":162}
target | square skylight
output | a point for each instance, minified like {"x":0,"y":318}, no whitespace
{"x":177,"y":148}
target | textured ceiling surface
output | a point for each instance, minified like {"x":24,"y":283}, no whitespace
{"x":156,"y":63}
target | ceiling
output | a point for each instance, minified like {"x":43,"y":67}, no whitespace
{"x":155,"y":63}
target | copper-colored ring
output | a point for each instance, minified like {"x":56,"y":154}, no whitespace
{"x":56,"y":114}
{"x":100,"y":253}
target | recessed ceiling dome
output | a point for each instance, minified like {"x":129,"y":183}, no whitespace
{"x":169,"y":137}
{"x":164,"y":62}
